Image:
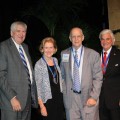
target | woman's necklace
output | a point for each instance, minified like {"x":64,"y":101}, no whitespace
{"x":55,"y":79}
{"x":53,"y":72}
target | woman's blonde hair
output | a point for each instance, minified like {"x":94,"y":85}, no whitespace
{"x":50,"y":40}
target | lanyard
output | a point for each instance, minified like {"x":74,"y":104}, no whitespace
{"x":79,"y":61}
{"x":54,"y":74}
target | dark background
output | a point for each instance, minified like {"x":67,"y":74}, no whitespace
{"x":90,"y":15}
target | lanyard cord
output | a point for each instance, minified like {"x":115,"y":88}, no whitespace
{"x":78,"y":63}
{"x":54,"y":74}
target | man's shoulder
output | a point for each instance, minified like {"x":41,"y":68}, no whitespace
{"x":90,"y":50}
{"x":5,"y":41}
{"x":66,"y":50}
{"x":116,"y":49}
{"x":24,"y":45}
{"x":4,"y":44}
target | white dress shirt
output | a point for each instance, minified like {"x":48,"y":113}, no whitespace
{"x":28,"y":64}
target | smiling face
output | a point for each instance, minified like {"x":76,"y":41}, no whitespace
{"x":106,"y":41}
{"x":76,"y":37}
{"x":48,"y":50}
{"x":19,"y":34}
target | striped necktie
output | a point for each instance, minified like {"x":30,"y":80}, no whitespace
{"x":76,"y":76}
{"x":24,"y":61}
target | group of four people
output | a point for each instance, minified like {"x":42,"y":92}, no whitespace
{"x":49,"y":86}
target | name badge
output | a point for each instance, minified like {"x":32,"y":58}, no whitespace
{"x":65,"y":57}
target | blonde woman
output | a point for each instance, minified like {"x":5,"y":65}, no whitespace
{"x":49,"y":82}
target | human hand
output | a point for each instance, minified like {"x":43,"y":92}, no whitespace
{"x":43,"y":111}
{"x":91,"y":102}
{"x":15,"y":104}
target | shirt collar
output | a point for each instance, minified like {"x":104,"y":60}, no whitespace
{"x":108,"y":51}
{"x":16,"y":44}
{"x":78,"y":50}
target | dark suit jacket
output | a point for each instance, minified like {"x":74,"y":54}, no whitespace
{"x":111,"y":81}
{"x":13,"y":76}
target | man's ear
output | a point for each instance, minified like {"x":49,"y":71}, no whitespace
{"x":83,"y":38}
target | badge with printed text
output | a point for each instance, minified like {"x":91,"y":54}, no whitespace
{"x":65,"y":57}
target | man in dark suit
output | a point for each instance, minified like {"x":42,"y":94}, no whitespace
{"x":17,"y":85}
{"x":110,"y":92}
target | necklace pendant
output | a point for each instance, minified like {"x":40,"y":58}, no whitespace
{"x":55,"y":80}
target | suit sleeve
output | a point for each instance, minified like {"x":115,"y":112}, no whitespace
{"x":97,"y":77}
{"x":4,"y":85}
{"x":62,"y":68}
{"x":63,"y":75}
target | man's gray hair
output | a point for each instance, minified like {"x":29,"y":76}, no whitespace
{"x":14,"y":24}
{"x":105,"y":31}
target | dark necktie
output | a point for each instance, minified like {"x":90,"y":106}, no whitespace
{"x":76,"y":76}
{"x":24,"y":61}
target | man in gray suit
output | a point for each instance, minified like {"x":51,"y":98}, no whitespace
{"x":17,"y":85}
{"x":81,"y":104}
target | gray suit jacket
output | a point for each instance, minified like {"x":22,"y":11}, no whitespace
{"x":91,"y":80}
{"x":13,"y":76}
{"x":42,"y":79}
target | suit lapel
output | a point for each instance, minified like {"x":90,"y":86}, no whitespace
{"x":70,"y":61}
{"x":17,"y":58}
{"x":110,"y":62}
{"x":15,"y":52}
{"x":28,"y":56}
{"x":84,"y":66}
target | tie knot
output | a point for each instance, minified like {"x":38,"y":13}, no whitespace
{"x":20,"y":46}
{"x":75,"y":52}
{"x":105,"y":53}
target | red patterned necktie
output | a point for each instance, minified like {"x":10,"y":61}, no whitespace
{"x":104,"y":63}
